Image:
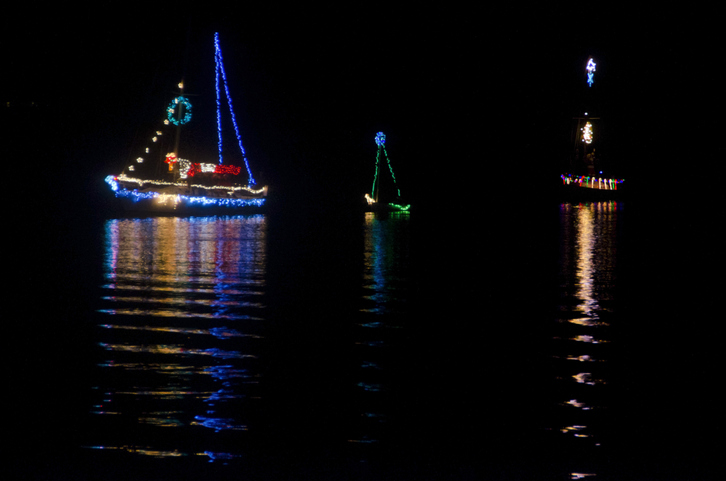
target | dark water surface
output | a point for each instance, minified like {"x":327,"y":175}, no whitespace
{"x":527,"y":345}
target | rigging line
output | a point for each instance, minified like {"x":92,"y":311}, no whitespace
{"x":375,"y":175}
{"x":390,"y":167}
{"x":220,"y":69}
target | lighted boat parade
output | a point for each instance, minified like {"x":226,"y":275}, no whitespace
{"x":385,"y":195}
{"x":184,"y":186}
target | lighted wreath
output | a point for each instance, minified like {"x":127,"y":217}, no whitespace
{"x":179,"y":102}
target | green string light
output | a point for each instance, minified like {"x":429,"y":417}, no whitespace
{"x":380,"y":141}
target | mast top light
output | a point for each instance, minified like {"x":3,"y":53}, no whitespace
{"x":590,"y":71}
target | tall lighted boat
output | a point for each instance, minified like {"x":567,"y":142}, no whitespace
{"x":185,"y":186}
{"x":587,"y":179}
{"x":385,"y":195}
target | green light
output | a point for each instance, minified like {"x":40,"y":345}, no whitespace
{"x":380,"y":141}
{"x":400,"y":207}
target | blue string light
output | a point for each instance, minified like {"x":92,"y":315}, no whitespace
{"x":220,"y":71}
{"x":137,"y":196}
{"x":111,"y":180}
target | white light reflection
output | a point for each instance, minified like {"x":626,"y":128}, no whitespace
{"x":587,"y":284}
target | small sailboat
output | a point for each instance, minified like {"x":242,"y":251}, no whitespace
{"x":186,"y":186}
{"x":586,"y":179}
{"x":385,"y":195}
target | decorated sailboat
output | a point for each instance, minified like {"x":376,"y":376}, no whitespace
{"x":188,"y":186}
{"x":385,"y":194}
{"x":586,"y":178}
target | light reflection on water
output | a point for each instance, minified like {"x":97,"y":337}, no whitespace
{"x":587,"y":284}
{"x":385,"y":260}
{"x":384,"y":282}
{"x":182,"y":319}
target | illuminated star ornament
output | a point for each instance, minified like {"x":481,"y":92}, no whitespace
{"x":590,"y":72}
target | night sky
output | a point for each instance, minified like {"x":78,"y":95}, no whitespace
{"x":470,"y":99}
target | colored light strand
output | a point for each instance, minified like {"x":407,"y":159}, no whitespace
{"x":220,"y":71}
{"x":591,"y":182}
{"x":381,"y":141}
{"x":182,"y":108}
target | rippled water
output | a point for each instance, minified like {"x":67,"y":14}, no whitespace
{"x":185,"y":359}
{"x":588,"y":280}
{"x":184,"y":315}
{"x":376,"y":347}
{"x":185,"y":327}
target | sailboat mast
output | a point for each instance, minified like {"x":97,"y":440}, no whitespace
{"x":179,"y":121}
{"x":178,"y":128}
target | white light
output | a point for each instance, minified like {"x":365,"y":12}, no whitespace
{"x":587,"y":133}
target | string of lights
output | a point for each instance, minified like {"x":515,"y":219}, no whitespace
{"x":402,"y":208}
{"x":375,"y":178}
{"x":380,"y":142}
{"x":391,"y":169}
{"x":220,"y":71}
{"x":174,"y":199}
{"x":591,"y":182}
{"x":114,"y":180}
{"x":181,"y":190}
